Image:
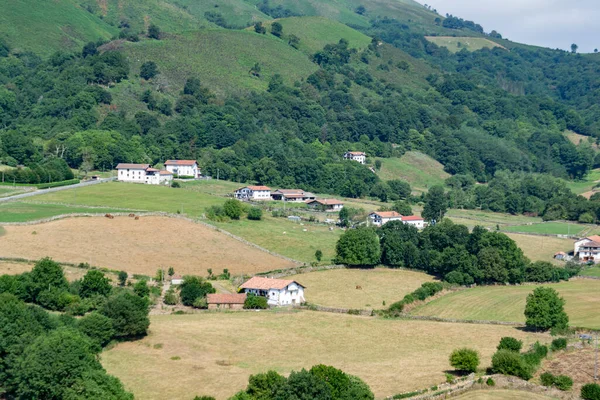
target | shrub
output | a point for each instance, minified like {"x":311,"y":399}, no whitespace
{"x":490,"y":382}
{"x":545,"y":310}
{"x":563,"y":382}
{"x":449,"y":378}
{"x":510,"y":343}
{"x":465,"y":360}
{"x":255,"y":214}
{"x":175,"y":184}
{"x":547,"y":379}
{"x":396,"y":307}
{"x":232,"y":208}
{"x":558,"y":344}
{"x":171,"y":297}
{"x":56,"y":299}
{"x":590,"y":391}
{"x":510,"y":363}
{"x":129,"y":314}
{"x":254,"y":302}
{"x":192,"y":288}
{"x":122,"y":278}
{"x":141,"y":288}
{"x":200,"y":302}
{"x":409,"y":298}
{"x":97,"y":327}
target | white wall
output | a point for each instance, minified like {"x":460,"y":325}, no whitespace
{"x":131,"y":175}
{"x":183,"y":170}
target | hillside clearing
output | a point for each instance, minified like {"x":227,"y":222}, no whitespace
{"x":16,"y":268}
{"x":138,"y":247}
{"x":506,"y":303}
{"x":586,"y":185}
{"x":338,"y":287}
{"x":219,"y":351}
{"x":456,"y":44}
{"x":418,"y":169}
{"x":541,"y":248}
{"x":549,"y":228}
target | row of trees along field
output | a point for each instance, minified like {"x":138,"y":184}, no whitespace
{"x":53,"y":355}
{"x":448,"y":251}
{"x":288,"y":135}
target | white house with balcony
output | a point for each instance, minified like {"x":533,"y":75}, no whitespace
{"x":358,"y":156}
{"x":183,"y":168}
{"x":588,"y":249}
{"x":253,"y":193}
{"x":279,"y":292}
{"x":380,"y":218}
{"x":143,"y":173}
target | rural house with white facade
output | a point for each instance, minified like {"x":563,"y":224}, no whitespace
{"x":358,"y":156}
{"x":143,"y":173}
{"x":183,"y":168}
{"x":379,"y":218}
{"x":588,"y":249}
{"x":253,"y":193}
{"x":279,"y":292}
{"x":292,"y":195}
{"x":329,"y":205}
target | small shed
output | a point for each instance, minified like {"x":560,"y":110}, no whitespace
{"x":561,"y":255}
{"x":226,"y":301}
{"x":176,"y":280}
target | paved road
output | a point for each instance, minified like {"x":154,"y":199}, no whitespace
{"x":56,"y":189}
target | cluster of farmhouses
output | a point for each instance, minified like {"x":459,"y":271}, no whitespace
{"x":144,"y":173}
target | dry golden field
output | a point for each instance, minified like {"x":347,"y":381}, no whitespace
{"x":215,"y":353}
{"x":541,"y":248}
{"x":138,"y":247}
{"x":498,"y":394}
{"x":14,"y":268}
{"x":337,"y":288}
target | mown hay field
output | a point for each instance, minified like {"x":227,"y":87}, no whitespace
{"x":138,"y":247}
{"x":498,"y":394}
{"x":507,"y":303}
{"x":418,"y":169}
{"x":338,"y":287}
{"x":541,"y":248}
{"x":16,"y":268}
{"x":215,"y":353}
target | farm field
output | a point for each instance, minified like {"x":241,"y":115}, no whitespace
{"x":593,"y":271}
{"x":337,"y":287}
{"x":138,"y":247}
{"x":489,"y":219}
{"x":10,"y":191}
{"x":456,"y":44}
{"x":541,"y":248}
{"x":285,"y":237}
{"x":23,"y":212}
{"x":578,"y":364}
{"x":507,"y":303}
{"x":585,"y":185}
{"x":15,"y":268}
{"x":551,"y":228}
{"x":498,"y":394}
{"x":418,"y":169}
{"x":219,"y":351}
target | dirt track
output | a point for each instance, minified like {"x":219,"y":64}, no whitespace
{"x":139,"y":247}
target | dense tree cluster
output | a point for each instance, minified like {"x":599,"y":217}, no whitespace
{"x":447,"y":250}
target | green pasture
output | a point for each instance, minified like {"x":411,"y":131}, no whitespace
{"x":23,"y":212}
{"x":418,"y":169}
{"x":549,"y":228}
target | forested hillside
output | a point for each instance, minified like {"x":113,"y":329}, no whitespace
{"x":275,"y":92}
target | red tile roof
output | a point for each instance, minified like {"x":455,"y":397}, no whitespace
{"x":165,"y":173}
{"x":257,"y":188}
{"x":356,"y":153}
{"x":180,"y":162}
{"x":594,"y":238}
{"x":412,"y":218}
{"x":152,"y":170}
{"x":223,"y":298}
{"x":326,"y":202}
{"x":591,"y":244}
{"x":289,"y":191}
{"x":258,"y":282}
{"x":132,"y":166}
{"x":388,"y":214}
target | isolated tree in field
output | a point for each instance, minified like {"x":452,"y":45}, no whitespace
{"x":148,"y":70}
{"x":154,"y":32}
{"x":294,"y":41}
{"x":122,"y":278}
{"x":255,"y":70}
{"x":318,"y":255}
{"x":377,"y":165}
{"x":545,"y":310}
{"x":358,"y":247}
{"x":129,"y":314}
{"x":510,"y":343}
{"x":574,"y":48}
{"x":464,"y":359}
{"x":259,"y":28}
{"x":171,"y":271}
{"x":232,"y":208}
{"x":276,"y":29}
{"x":436,"y":204}
{"x":95,"y":283}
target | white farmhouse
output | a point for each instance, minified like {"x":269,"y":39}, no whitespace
{"x":279,"y":292}
{"x":135,"y":173}
{"x":379,"y":218}
{"x":416,"y":221}
{"x":142,"y":173}
{"x":359,"y":156}
{"x":292,"y":195}
{"x":183,"y":168}
{"x":328,"y":205}
{"x":588,"y":249}
{"x":253,"y":193}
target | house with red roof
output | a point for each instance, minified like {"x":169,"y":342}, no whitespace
{"x":143,"y":173}
{"x":380,"y":218}
{"x":183,"y":168}
{"x":226,"y":301}
{"x":329,"y":205}
{"x":253,"y":193}
{"x":279,"y":292}
{"x":358,"y":156}
{"x":588,"y":249}
{"x":292,"y":195}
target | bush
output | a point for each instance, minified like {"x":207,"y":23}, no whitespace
{"x":56,"y":299}
{"x":171,"y":297}
{"x":254,"y":302}
{"x":97,"y":327}
{"x":122,"y":278}
{"x":563,"y":382}
{"x":558,"y":344}
{"x":490,"y":382}
{"x":510,"y":363}
{"x":255,"y":214}
{"x":232,"y":208}
{"x":465,"y":360}
{"x":129,"y":314}
{"x":141,"y":288}
{"x":545,"y":310}
{"x":175,"y":185}
{"x":94,"y":283}
{"x":590,"y":391}
{"x":192,"y":288}
{"x":547,"y":379}
{"x":201,"y":303}
{"x":510,"y":343}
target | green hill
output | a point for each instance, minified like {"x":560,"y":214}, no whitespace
{"x":455,"y":44}
{"x":46,"y":26}
{"x":221,"y":59}
{"x":418,"y":169}
{"x":316,"y":32}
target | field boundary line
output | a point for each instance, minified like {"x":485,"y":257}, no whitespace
{"x":153,"y":214}
{"x":461,"y":321}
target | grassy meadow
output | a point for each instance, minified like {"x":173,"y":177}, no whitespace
{"x":23,"y":212}
{"x":541,"y":248}
{"x":215,"y":353}
{"x":549,"y":228}
{"x":418,"y":169}
{"x":221,"y":59}
{"x":585,"y":185}
{"x":507,"y":303}
{"x":456,"y":44}
{"x":337,"y":287}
